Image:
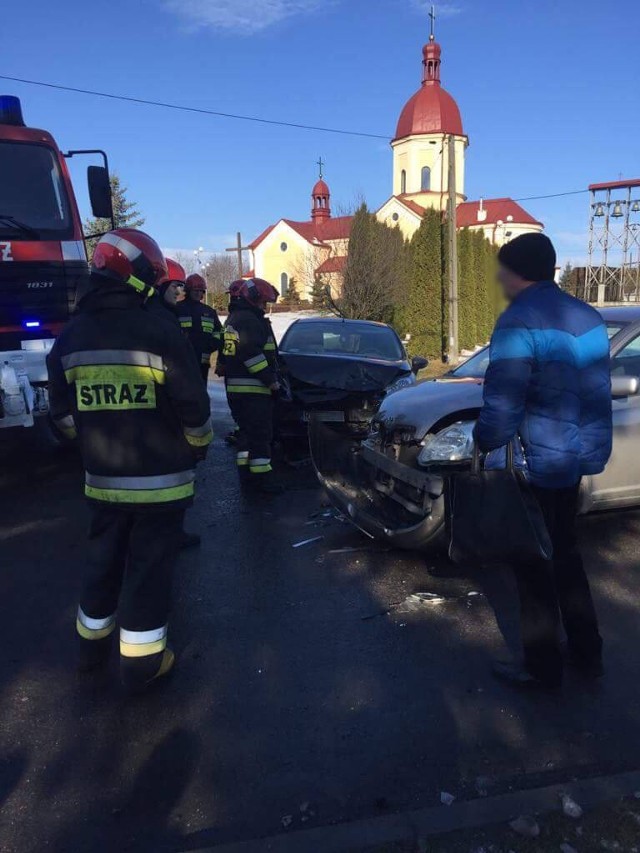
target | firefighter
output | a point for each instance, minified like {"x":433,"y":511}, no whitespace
{"x":129,"y":385}
{"x":200,"y":323}
{"x":164,"y":305}
{"x":249,"y":354}
{"x":164,"y":302}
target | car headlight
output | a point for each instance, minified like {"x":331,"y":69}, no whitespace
{"x":452,"y":444}
{"x":403,"y":382}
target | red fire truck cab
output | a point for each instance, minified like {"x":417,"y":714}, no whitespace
{"x":43,"y":259}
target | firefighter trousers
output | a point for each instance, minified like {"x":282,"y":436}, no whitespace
{"x":254,"y":415}
{"x":131,"y":559}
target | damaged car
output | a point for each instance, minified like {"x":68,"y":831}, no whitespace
{"x":392,"y":484}
{"x":337,"y":372}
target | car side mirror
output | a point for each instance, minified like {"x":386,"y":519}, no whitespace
{"x":100,"y":192}
{"x":418,"y":363}
{"x":624,"y":386}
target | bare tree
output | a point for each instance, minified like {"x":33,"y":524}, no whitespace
{"x":188,"y":261}
{"x":219,"y":271}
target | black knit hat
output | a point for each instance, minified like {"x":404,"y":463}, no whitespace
{"x":530,"y":256}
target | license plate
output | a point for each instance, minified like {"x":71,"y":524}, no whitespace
{"x":327,"y":417}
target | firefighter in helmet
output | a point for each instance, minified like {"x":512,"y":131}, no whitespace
{"x":249,"y":359}
{"x":165,"y":306}
{"x":200,"y":323}
{"x":129,"y":385}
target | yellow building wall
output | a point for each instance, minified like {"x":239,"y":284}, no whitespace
{"x":298,"y":261}
{"x":501,"y":234}
{"x":415,"y":152}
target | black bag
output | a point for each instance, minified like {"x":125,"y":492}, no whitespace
{"x":494,"y":516}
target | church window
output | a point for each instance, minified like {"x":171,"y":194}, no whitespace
{"x":425,"y":180}
{"x":283,"y":247}
{"x":284,"y":284}
{"x":403,"y":181}
{"x":395,"y":217}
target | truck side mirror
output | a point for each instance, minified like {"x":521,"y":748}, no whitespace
{"x":624,"y":386}
{"x":100,"y":192}
{"x":418,"y":363}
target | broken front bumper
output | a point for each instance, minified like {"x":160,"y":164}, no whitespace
{"x":387,"y":498}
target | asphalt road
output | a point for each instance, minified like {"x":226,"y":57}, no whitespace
{"x":308,"y":689}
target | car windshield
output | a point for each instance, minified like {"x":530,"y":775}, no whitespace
{"x":476,"y":366}
{"x":33,"y":199}
{"x":331,"y":338}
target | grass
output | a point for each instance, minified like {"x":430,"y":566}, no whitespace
{"x":611,"y":826}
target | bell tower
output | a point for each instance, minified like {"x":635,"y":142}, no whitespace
{"x":420,"y":149}
{"x":320,"y":199}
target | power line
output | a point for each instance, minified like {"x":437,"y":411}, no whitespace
{"x":186,"y":109}
{"x":202,"y":111}
{"x":551,"y":195}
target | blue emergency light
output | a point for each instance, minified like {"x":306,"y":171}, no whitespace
{"x":11,"y":111}
{"x":32,"y":324}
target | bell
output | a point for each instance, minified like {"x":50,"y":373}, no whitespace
{"x":635,"y":207}
{"x":617,"y":210}
{"x":599,"y":211}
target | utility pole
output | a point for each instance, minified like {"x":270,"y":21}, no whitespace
{"x":239,"y":249}
{"x":452,"y":242}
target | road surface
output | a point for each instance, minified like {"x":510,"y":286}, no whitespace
{"x":310,"y":688}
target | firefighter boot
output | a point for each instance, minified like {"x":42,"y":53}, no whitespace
{"x":266,"y":484}
{"x":137,"y":674}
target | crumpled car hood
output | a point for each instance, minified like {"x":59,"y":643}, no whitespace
{"x":418,"y":408}
{"x":342,"y":373}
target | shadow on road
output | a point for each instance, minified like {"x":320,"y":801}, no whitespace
{"x":307,"y":690}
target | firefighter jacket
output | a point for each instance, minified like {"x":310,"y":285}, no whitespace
{"x":249,"y":351}
{"x":202,"y":327}
{"x":125,"y":378}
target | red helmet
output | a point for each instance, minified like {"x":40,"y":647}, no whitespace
{"x":175,"y":271}
{"x":129,"y":256}
{"x":235,"y":288}
{"x":195,"y":282}
{"x":257,"y":291}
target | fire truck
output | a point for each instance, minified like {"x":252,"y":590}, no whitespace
{"x":43,"y":258}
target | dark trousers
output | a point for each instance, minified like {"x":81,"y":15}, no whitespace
{"x":130,"y":565}
{"x":548,"y":589}
{"x":204,"y":371}
{"x":254,"y":415}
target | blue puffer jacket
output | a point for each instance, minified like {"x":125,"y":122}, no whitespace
{"x":549,"y":380}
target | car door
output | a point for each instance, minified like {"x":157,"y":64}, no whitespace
{"x":619,"y":484}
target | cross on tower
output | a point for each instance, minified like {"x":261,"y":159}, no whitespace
{"x":321,"y":163}
{"x":432,"y":16}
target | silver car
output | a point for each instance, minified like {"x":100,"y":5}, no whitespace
{"x":391,"y":485}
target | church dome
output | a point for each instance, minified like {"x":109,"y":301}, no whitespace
{"x":320,"y":189}
{"x":431,"y":109}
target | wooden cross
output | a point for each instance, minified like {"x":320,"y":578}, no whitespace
{"x":321,"y":163}
{"x":432,"y":16}
{"x":239,"y":249}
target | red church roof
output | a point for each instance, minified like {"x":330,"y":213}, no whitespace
{"x":496,"y":209}
{"x":335,"y":264}
{"x":336,"y":228}
{"x":431,"y":109}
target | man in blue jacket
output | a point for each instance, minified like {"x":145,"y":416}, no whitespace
{"x":549,"y":382}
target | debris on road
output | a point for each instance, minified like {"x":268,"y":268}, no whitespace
{"x":446,"y":798}
{"x":307,"y":541}
{"x":287,"y":820}
{"x":570,"y":807}
{"x":526,"y":826}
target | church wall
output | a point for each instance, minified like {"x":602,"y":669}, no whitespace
{"x":415,"y":152}
{"x":501,"y":234}
{"x":297,"y":262}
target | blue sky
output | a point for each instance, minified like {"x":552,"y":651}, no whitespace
{"x":548,"y":92}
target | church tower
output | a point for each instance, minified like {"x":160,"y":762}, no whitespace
{"x":420,"y":155}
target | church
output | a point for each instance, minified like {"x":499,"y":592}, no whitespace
{"x":293,"y":255}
